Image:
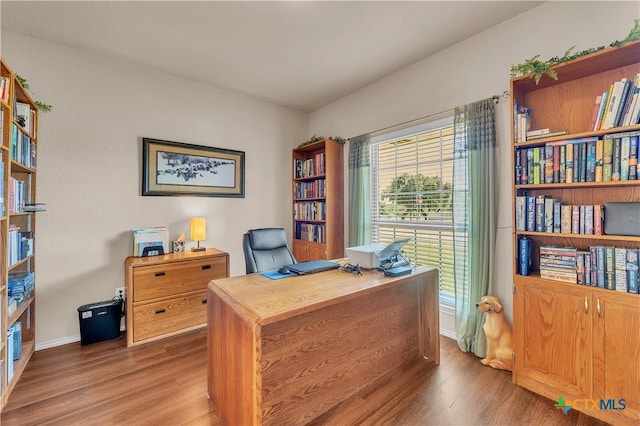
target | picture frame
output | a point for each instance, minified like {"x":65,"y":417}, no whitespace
{"x":181,"y":169}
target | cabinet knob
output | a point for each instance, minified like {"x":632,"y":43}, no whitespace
{"x":586,"y":305}
{"x":204,"y":301}
{"x":598,"y":306}
{"x":205,"y":267}
{"x":160,"y":311}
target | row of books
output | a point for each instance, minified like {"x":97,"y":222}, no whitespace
{"x":589,"y":159}
{"x":617,"y":106}
{"x":313,"y":189}
{"x":311,"y":232}
{"x":4,"y":88}
{"x":310,"y":167}
{"x":309,"y":210}
{"x":542,"y":213}
{"x":613,"y":268}
{"x":23,"y":149}
{"x":522,"y":122}
{"x":18,"y":195}
{"x":14,"y":347}
{"x":20,"y":245}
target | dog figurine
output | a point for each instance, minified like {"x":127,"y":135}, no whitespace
{"x":498,"y":332}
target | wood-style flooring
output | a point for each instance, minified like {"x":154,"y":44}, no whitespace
{"x":165,"y":383}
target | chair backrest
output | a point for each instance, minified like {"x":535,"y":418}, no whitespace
{"x":266,"y":249}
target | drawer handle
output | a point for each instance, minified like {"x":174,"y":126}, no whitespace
{"x":204,"y":267}
{"x":204,"y":301}
{"x":160,"y":274}
{"x":160,"y":311}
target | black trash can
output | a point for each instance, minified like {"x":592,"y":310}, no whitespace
{"x":100,"y":321}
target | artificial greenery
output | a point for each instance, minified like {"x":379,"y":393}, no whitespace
{"x":315,"y":138}
{"x":41,"y":105}
{"x":537,"y":67}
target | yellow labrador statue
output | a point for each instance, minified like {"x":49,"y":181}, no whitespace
{"x":498,"y":332}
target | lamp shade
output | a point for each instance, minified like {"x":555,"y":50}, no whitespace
{"x":198,"y":229}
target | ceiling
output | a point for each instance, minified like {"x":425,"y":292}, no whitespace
{"x":299,"y":54}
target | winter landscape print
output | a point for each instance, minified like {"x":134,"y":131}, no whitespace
{"x":194,"y":170}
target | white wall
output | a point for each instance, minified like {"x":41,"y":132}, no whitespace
{"x":473,"y":70}
{"x":89,"y":169}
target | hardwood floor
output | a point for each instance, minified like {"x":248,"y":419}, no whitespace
{"x":165,"y":383}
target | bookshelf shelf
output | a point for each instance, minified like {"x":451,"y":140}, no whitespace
{"x":17,"y":229}
{"x":580,"y":236}
{"x":317,"y":180}
{"x":566,"y":334}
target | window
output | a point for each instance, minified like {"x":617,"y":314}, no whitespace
{"x":412,"y":179}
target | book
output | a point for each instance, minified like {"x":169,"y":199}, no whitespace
{"x":609,"y":267}
{"x":590,"y":174}
{"x":613,"y":105}
{"x":603,"y":104}
{"x":547,"y":135}
{"x":625,"y":146}
{"x":599,"y":154}
{"x":531,"y":213}
{"x":540,"y":213}
{"x":557,"y":206}
{"x":575,"y":219}
{"x":632,"y":270}
{"x":548,"y":163}
{"x":620,"y":269}
{"x":548,"y":215}
{"x":565,"y":219}
{"x":594,"y":114}
{"x":606,"y":107}
{"x":524,"y":256}
{"x":538,"y":132}
{"x":569,"y":164}
{"x":617,"y":121}
{"x":598,"y":219}
{"x":563,"y":164}
{"x":633,"y":157}
{"x":607,"y":155}
{"x":521,"y":215}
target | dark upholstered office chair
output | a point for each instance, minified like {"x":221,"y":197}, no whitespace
{"x":266,"y":249}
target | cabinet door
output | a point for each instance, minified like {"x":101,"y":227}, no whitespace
{"x":553,"y":332}
{"x":305,"y":250}
{"x":616,"y":342}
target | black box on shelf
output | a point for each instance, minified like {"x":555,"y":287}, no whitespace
{"x":100,"y":321}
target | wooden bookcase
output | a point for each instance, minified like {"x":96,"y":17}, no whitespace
{"x":17,"y":227}
{"x":575,"y":341}
{"x":318,"y":201}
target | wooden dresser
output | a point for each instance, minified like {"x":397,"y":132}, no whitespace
{"x":167,"y":295}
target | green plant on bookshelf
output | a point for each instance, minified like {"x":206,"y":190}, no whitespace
{"x":315,"y":138}
{"x":536,"y":67}
{"x":41,"y":105}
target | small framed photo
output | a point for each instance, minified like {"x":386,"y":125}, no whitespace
{"x":175,"y":168}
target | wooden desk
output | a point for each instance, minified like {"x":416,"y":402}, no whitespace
{"x":285,"y":351}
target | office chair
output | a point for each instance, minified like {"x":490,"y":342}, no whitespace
{"x":266,"y":249}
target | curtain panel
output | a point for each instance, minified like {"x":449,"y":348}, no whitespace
{"x":475,"y":210}
{"x":359,"y":191}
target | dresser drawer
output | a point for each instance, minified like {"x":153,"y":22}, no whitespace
{"x":155,"y":319}
{"x":152,"y":282}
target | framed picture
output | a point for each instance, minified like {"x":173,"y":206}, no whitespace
{"x":174,"y":168}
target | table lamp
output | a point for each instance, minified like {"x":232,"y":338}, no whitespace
{"x":198,"y":232}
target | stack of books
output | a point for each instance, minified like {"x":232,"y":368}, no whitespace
{"x":558,"y":263}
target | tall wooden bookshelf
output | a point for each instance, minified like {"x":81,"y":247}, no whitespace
{"x":17,"y":229}
{"x":578,"y":342}
{"x":318,"y":201}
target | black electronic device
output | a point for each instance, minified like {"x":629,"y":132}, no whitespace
{"x":283,"y":271}
{"x":397,"y":271}
{"x":100,"y":321}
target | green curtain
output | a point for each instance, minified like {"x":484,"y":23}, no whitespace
{"x":475,"y":217}
{"x":359,"y":191}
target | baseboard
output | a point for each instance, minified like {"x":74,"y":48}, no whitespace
{"x":57,"y":342}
